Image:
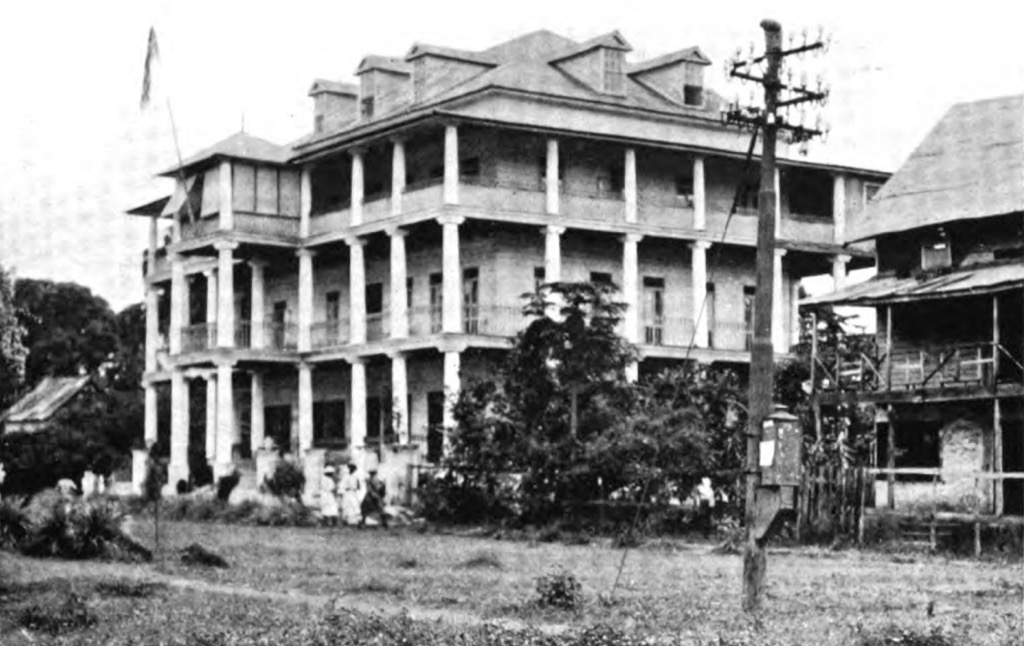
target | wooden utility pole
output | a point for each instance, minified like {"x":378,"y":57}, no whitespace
{"x":762,"y":350}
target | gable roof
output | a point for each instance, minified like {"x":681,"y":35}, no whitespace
{"x":49,"y":395}
{"x":689,"y":55}
{"x":240,"y":145}
{"x":971,"y":165}
{"x":611,"y":40}
{"x":421,"y":49}
{"x":541,"y":44}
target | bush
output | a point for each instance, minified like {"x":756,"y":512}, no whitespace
{"x":226,"y":484}
{"x":560,"y":590}
{"x":82,"y":530}
{"x":14,"y":523}
{"x":289,"y":513}
{"x":287,"y":481}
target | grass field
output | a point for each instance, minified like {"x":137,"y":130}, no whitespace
{"x":289,"y":574}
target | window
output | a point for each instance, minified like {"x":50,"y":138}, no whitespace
{"x":436,"y":306}
{"x":471,"y":300}
{"x":611,"y":180}
{"x":375,"y":298}
{"x":654,"y":310}
{"x":748,"y":317}
{"x":684,"y":185}
{"x":366,"y":94}
{"x":693,"y":85}
{"x":329,"y":422}
{"x":614,"y":79}
{"x":870,"y":191}
{"x":601,"y":278}
{"x":749,"y":196}
{"x":937,"y":255}
{"x":808,"y":192}
{"x":409,"y":290}
{"x":374,"y":420}
{"x":469,"y":168}
{"x":264,"y":190}
{"x":435,"y":426}
{"x":333,"y":306}
{"x":709,"y":314}
{"x":538,"y":278}
{"x":419,"y":78}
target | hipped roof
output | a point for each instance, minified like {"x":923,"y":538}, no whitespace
{"x":40,"y":404}
{"x":240,"y":145}
{"x":971,"y":165}
{"x":967,"y":281}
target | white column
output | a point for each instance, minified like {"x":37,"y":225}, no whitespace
{"x":357,"y":441}
{"x":356,"y":291}
{"x":305,"y":407}
{"x":150,"y":432}
{"x":451,"y":274}
{"x":356,"y":210}
{"x":839,"y":271}
{"x":794,"y":313}
{"x":839,"y":208}
{"x":211,"y":418}
{"x":699,"y":276}
{"x":152,"y":327}
{"x":553,"y":253}
{"x":178,"y":467}
{"x":629,"y":185}
{"x":397,"y":175}
{"x":700,"y":218}
{"x":211,"y":306}
{"x":451,"y":164}
{"x":452,"y":385}
{"x":257,"y":428}
{"x":225,"y":419}
{"x":305,"y":298}
{"x":226,"y":294}
{"x":305,"y":200}
{"x":227,"y":212}
{"x":400,"y":395}
{"x":778,"y":309}
{"x":631,"y":286}
{"x":179,"y":304}
{"x":153,"y":243}
{"x":399,"y":294}
{"x":778,"y":203}
{"x":552,"y":188}
{"x":257,"y":338}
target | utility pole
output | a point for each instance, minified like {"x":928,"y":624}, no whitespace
{"x":762,"y":358}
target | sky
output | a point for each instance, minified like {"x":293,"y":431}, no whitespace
{"x":76,"y":151}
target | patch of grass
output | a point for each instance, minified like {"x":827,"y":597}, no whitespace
{"x":129,"y":588}
{"x":408,"y":563}
{"x":483,"y":560}
{"x":376,"y":586}
{"x":58,"y":614}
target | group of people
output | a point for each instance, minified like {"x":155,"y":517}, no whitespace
{"x":358,"y":500}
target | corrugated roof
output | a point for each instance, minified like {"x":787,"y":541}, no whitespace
{"x":150,"y":209}
{"x":240,"y":145}
{"x":967,"y":281}
{"x":45,"y":399}
{"x":971,"y":165}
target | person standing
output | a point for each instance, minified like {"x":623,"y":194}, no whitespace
{"x":351,"y":488}
{"x":373,"y":501}
{"x":328,"y":499}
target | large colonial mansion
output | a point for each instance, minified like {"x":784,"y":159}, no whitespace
{"x":332,"y":294}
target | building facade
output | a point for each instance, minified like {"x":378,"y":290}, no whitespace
{"x":948,"y":379}
{"x":335,"y":293}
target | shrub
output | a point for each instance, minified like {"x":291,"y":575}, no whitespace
{"x":287,"y":481}
{"x":289,"y":513}
{"x":196,"y":554}
{"x":560,"y":590}
{"x":14,"y":524}
{"x":226,"y":484}
{"x":58,"y":616}
{"x":82,"y":530}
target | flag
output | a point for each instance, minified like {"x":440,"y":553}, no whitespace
{"x":152,"y":54}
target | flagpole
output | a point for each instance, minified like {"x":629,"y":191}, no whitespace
{"x":181,"y":166}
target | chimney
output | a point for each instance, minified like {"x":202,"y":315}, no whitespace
{"x":334,"y":104}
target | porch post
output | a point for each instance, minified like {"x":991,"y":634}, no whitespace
{"x":400,"y":395}
{"x":179,"y":304}
{"x":152,"y":326}
{"x":629,"y":184}
{"x":397,"y":175}
{"x":356,"y":290}
{"x":356,"y":209}
{"x":451,"y":164}
{"x":839,"y":271}
{"x":151,"y":414}
{"x":305,"y":407}
{"x":225,"y":419}
{"x":211,"y":307}
{"x":839,"y":208}
{"x":305,"y":298}
{"x":257,"y":426}
{"x":178,"y":467}
{"x":699,"y":276}
{"x":226,"y":219}
{"x":699,"y":201}
{"x":257,"y":333}
{"x":631,"y":294}
{"x":451,"y":274}
{"x":211,"y":418}
{"x":452,"y":385}
{"x":357,"y":442}
{"x":226,"y":294}
{"x":399,"y":300}
{"x":305,"y":199}
{"x":997,"y":454}
{"x":551,"y":187}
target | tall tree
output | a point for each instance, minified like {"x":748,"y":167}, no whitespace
{"x":12,"y":348}
{"x":69,"y":330}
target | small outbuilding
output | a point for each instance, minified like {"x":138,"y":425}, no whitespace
{"x":36,"y":409}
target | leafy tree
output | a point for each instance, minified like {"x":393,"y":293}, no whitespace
{"x":12,"y":348}
{"x":129,"y":362}
{"x":69,"y":330}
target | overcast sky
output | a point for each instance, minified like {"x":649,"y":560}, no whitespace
{"x":75,"y":150}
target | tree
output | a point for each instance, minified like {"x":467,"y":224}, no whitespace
{"x":12,"y":348}
{"x":69,"y":330}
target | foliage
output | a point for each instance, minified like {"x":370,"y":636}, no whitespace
{"x":287,"y":481}
{"x":847,"y":430}
{"x":200,"y":472}
{"x":226,"y":484}
{"x":14,"y":523}
{"x":560,"y":590}
{"x":81,"y":529}
{"x":38,"y":460}
{"x":196,"y":554}
{"x":12,"y":347}
{"x":156,"y":477}
{"x":58,"y":615}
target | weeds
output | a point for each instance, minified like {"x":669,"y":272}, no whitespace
{"x":560,"y":590}
{"x":484,"y":560}
{"x":129,"y":589}
{"x":376,"y":586}
{"x":54,"y":617}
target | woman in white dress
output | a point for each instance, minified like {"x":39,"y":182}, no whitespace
{"x":328,"y":499}
{"x":351,"y":487}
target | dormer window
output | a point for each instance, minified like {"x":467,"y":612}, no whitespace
{"x":614,"y":77}
{"x":366,"y":94}
{"x":693,"y":86}
{"x":936,"y":255}
{"x":870,"y":191}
